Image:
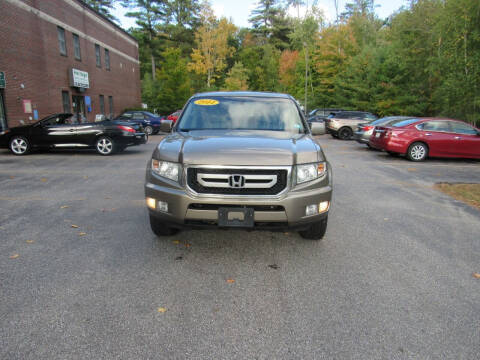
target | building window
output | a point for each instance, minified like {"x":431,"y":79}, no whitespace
{"x":66,"y":102}
{"x":102,"y":105}
{"x":107,"y":59}
{"x":61,"y":41}
{"x":76,"y":47}
{"x":110,"y":105}
{"x":97,"y":55}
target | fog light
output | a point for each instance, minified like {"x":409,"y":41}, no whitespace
{"x":323,"y":206}
{"x":151,"y":203}
{"x":162,"y":206}
{"x":311,"y":210}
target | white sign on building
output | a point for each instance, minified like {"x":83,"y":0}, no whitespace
{"x":79,"y":79}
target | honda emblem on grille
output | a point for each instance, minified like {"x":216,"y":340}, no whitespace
{"x":236,"y":181}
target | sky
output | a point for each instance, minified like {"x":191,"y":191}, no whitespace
{"x":239,"y":10}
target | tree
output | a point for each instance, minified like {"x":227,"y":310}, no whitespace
{"x":182,"y":20}
{"x":287,"y":70}
{"x":212,"y":48}
{"x":296,"y":4}
{"x":174,"y":83}
{"x":237,"y":78}
{"x":335,"y":47}
{"x":103,"y":7}
{"x":359,"y":7}
{"x":263,"y":17}
{"x":148,"y":15}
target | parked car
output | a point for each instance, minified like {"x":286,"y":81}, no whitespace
{"x":150,"y":122}
{"x":344,"y":123}
{"x":317,"y":120}
{"x":419,"y":138}
{"x":365,"y":130}
{"x":174,"y":116}
{"x":64,"y":131}
{"x":239,"y":160}
{"x":323,"y":112}
{"x":317,"y":125}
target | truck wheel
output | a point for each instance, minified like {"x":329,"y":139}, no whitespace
{"x":160,"y":229}
{"x":345,"y":133}
{"x":316,"y":230}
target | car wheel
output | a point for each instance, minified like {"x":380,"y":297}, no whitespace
{"x":105,"y":146}
{"x":417,"y":152}
{"x":148,"y":130}
{"x":345,"y":133}
{"x":316,"y":230}
{"x":19,"y":145}
{"x":161,"y":229}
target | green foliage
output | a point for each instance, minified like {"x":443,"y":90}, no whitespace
{"x":263,"y":17}
{"x":237,"y":78}
{"x":171,"y":88}
{"x":103,"y":7}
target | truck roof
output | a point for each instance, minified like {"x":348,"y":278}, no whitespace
{"x":244,"y":93}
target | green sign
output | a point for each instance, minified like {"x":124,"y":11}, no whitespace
{"x":3,"y":83}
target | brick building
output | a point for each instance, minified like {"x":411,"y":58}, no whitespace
{"x":62,"y":56}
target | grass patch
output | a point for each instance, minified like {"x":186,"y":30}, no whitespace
{"x":467,"y":193}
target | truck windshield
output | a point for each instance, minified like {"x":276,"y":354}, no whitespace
{"x":241,"y":113}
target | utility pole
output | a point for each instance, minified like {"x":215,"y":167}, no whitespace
{"x":305,"y":47}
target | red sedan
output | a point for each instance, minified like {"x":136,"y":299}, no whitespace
{"x":419,"y":138}
{"x":174,"y":116}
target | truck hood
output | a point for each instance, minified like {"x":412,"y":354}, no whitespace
{"x":239,"y":147}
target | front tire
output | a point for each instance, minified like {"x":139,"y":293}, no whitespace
{"x":161,"y":229}
{"x":345,"y":133}
{"x":417,"y":152}
{"x":105,"y":146}
{"x":19,"y":145}
{"x":316,"y":231}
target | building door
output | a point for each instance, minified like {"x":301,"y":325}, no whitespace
{"x":3,"y":115}
{"x":78,"y":105}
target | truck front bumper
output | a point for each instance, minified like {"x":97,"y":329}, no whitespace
{"x":188,"y":210}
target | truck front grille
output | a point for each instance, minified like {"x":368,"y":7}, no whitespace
{"x":237,"y":181}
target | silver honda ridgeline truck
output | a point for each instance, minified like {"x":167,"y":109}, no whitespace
{"x":239,"y":160}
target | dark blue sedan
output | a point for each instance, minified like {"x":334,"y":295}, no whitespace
{"x":150,"y":122}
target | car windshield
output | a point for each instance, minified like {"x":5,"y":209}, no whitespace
{"x":242,"y":113}
{"x":404,"y":122}
{"x":149,"y":113}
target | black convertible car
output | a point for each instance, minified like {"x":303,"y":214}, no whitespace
{"x":64,"y":131}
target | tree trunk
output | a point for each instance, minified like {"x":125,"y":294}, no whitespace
{"x":153,"y":67}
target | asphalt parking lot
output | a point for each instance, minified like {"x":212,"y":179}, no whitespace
{"x":392,"y":279}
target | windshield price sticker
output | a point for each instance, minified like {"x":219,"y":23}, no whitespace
{"x":206,"y":102}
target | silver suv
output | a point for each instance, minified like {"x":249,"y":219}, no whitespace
{"x":342,"y":124}
{"x":239,"y":160}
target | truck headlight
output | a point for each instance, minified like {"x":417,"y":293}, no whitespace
{"x":309,"y":172}
{"x":166,"y":169}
